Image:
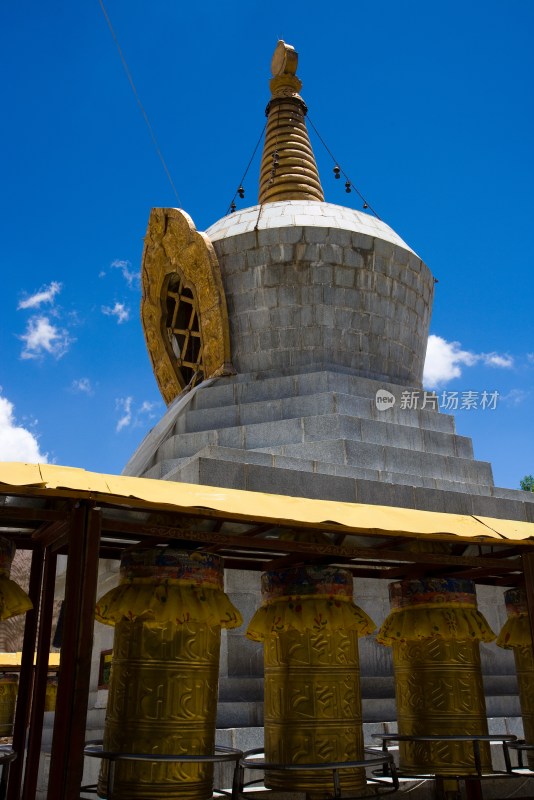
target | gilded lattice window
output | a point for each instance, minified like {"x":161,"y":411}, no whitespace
{"x":183,"y":307}
{"x":183,"y":329}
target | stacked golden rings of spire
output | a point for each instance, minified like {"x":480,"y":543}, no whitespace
{"x":288,"y":168}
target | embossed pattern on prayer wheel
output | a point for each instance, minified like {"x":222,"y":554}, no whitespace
{"x":309,"y":626}
{"x":434,"y":629}
{"x":8,"y":701}
{"x":438,"y":686}
{"x":312,"y":710}
{"x":516,"y":635}
{"x":162,"y":699}
{"x":168,"y":611}
{"x":524,"y":664}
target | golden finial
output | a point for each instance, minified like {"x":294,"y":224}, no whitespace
{"x":288,"y":168}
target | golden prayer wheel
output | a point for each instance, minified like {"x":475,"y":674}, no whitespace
{"x":51,"y":693}
{"x":8,"y":700}
{"x":434,"y":629}
{"x":309,"y":626}
{"x":516,"y":635}
{"x":13,"y":600}
{"x":168,"y":611}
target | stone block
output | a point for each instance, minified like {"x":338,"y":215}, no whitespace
{"x":352,"y":258}
{"x":282,"y":253}
{"x":436,"y":442}
{"x":244,"y":657}
{"x":311,"y":254}
{"x":271,"y":275}
{"x":312,"y":295}
{"x":446,"y":501}
{"x":246,"y":241}
{"x":384,"y":249}
{"x":233,"y":263}
{"x":365,"y":455}
{"x":324,"y":315}
{"x":268,"y":339}
{"x":257,"y":257}
{"x":211,"y":418}
{"x":315,"y":234}
{"x":266,"y":297}
{"x":288,"y":295}
{"x":228,"y":475}
{"x":339,"y":236}
{"x":290,"y":337}
{"x":332,"y":254}
{"x":365,"y":280}
{"x":297,"y":484}
{"x":498,"y":508}
{"x":291,"y":235}
{"x":270,"y":434}
{"x":236,"y":715}
{"x":258,"y":319}
{"x":361,"y":241}
{"x":225,"y":246}
{"x":385,"y":494}
{"x":344,"y":276}
{"x":285,"y":316}
{"x":377,"y":325}
{"x":321,"y":451}
{"x":269,"y":237}
{"x":322,"y":275}
{"x":342,"y":321}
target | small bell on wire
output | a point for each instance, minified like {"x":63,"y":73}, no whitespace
{"x":232,"y":207}
{"x":347,"y":187}
{"x":241,"y":192}
{"x":336,"y":172}
{"x":365,"y":205}
{"x":276,"y":157}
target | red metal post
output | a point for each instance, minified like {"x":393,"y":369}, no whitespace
{"x":22,"y":714}
{"x":38,"y":696}
{"x":66,"y":763}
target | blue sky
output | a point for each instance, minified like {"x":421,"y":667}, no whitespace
{"x":427,"y":106}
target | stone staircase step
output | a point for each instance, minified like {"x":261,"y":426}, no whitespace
{"x":331,"y":402}
{"x":301,"y":430}
{"x":221,"y":460}
{"x":247,"y":389}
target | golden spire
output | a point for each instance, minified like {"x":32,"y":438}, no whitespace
{"x":288,"y":168}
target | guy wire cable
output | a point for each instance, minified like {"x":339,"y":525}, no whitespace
{"x":145,"y":116}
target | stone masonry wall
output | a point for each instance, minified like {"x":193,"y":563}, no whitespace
{"x":301,"y":296}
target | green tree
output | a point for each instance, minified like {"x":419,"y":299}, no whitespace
{"x":527,"y":483}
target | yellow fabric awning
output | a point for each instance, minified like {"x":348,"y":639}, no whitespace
{"x":49,"y":479}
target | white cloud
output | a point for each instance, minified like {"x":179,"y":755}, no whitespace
{"x":42,"y":337}
{"x":16,"y":443}
{"x":44,"y":295}
{"x":530,"y":358}
{"x":515,"y":397}
{"x":445,"y":360}
{"x":134,"y":416}
{"x":119,"y":310}
{"x":82,"y":386}
{"x":496,"y":360}
{"x":124,"y":404}
{"x":130,"y":276}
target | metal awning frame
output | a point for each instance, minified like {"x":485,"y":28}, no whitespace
{"x":72,"y":516}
